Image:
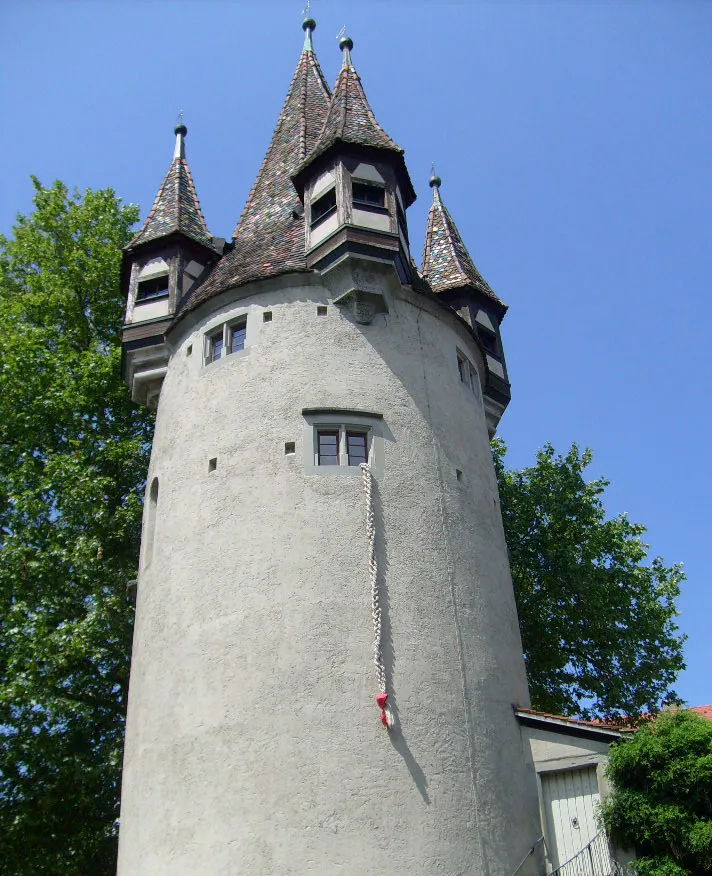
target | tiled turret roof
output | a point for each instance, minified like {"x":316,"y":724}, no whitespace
{"x":176,"y":207}
{"x":350,"y":118}
{"x":269,"y":237}
{"x":350,"y":121}
{"x":446,"y":262}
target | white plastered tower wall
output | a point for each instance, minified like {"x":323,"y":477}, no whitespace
{"x":253,"y":740}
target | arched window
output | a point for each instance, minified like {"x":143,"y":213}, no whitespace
{"x":150,"y":523}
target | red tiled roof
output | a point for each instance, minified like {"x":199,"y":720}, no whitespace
{"x":446,"y":262}
{"x":702,"y":711}
{"x":597,"y":724}
{"x":622,"y":724}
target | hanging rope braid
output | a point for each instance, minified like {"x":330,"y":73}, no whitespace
{"x":382,"y":695}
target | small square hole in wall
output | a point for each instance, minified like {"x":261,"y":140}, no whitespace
{"x":321,"y":310}
{"x":212,"y":464}
{"x":458,"y":474}
{"x":289,"y":447}
{"x":267,"y":316}
{"x":189,"y":350}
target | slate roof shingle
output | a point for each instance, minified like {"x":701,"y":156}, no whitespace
{"x":269,"y":237}
{"x":176,"y":207}
{"x":446,"y":262}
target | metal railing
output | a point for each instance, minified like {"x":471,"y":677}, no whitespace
{"x":594,"y":859}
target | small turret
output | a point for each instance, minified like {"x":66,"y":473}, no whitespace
{"x":170,"y":255}
{"x":355,"y":187}
{"x":452,"y":275}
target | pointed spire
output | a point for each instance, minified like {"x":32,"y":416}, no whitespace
{"x":346,"y":44}
{"x":351,"y":122}
{"x":297,"y":128}
{"x":308,"y":26}
{"x":181,"y":133}
{"x":446,"y":262}
{"x":269,"y":238}
{"x":176,"y":207}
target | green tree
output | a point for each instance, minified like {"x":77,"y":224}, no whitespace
{"x":597,"y":619}
{"x":662,"y":795}
{"x":597,"y":622}
{"x":73,"y":456}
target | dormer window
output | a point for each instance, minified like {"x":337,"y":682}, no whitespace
{"x":153,"y":289}
{"x":489,"y":340}
{"x":323,"y":207}
{"x":402,"y":224}
{"x":369,"y":197}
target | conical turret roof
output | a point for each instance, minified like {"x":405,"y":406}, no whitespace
{"x":446,"y":262}
{"x":350,"y":118}
{"x":350,"y":122}
{"x":269,"y":237}
{"x":176,"y":207}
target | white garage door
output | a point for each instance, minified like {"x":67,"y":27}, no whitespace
{"x":571,"y":801}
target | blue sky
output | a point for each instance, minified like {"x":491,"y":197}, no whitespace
{"x":574,"y":144}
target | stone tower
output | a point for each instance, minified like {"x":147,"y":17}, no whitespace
{"x":321,"y":498}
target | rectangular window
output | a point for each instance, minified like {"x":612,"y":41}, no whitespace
{"x":238,"y":331}
{"x":150,"y":290}
{"x":323,"y":207}
{"x":468,"y":374}
{"x":402,"y":224}
{"x":463,"y":367}
{"x":328,"y":447}
{"x":215,"y":346}
{"x":225,"y":339}
{"x":339,"y":440}
{"x":369,"y":196}
{"x":489,"y":340}
{"x":357,"y":447}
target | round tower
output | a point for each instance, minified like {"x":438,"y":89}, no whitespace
{"x":321,"y":493}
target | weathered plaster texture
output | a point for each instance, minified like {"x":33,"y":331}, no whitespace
{"x":253,"y":740}
{"x":558,"y":751}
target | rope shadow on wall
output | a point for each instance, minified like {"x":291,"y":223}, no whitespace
{"x":384,"y":656}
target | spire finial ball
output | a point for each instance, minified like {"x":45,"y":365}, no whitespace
{"x":181,"y":129}
{"x":435,"y":182}
{"x":308,"y":24}
{"x":346,"y":43}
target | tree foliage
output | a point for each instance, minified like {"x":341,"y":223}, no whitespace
{"x":73,"y":456}
{"x":597,"y":619}
{"x":662,"y":795}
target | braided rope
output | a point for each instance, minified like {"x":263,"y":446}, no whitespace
{"x":381,"y":699}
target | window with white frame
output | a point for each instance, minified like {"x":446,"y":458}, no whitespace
{"x":468,"y":374}
{"x":225,"y":339}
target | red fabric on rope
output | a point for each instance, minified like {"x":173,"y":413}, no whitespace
{"x":381,"y":702}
